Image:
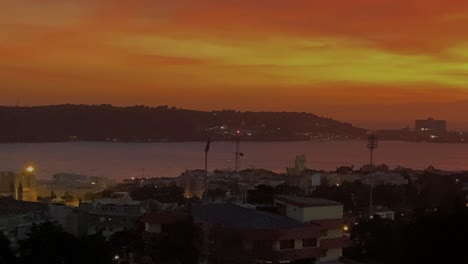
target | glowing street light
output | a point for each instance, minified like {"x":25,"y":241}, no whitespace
{"x":30,"y":169}
{"x":345,"y":228}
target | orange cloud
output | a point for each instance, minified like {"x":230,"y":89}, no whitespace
{"x":185,"y":52}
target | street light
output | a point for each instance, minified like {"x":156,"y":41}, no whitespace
{"x":238,"y":154}
{"x":30,"y":169}
{"x":372,"y":144}
{"x":207,"y":149}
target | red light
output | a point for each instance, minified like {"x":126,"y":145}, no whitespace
{"x":238,"y":132}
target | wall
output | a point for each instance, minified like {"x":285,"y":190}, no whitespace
{"x":332,"y":254}
{"x":322,"y":213}
{"x":9,"y":180}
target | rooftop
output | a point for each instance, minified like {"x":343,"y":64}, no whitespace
{"x":115,"y":201}
{"x":164,"y":218}
{"x":306,"y":201}
{"x":10,"y":206}
{"x":234,"y":216}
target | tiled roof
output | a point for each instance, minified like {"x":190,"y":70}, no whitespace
{"x":9,"y":206}
{"x":163,"y":218}
{"x":306,"y":201}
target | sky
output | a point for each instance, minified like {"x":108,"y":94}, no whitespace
{"x":374,"y":63}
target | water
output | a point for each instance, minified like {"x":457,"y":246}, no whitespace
{"x":125,"y":160}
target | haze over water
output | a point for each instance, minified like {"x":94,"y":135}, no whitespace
{"x":125,"y":160}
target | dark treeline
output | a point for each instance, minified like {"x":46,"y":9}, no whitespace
{"x":140,"y":123}
{"x":430,"y":237}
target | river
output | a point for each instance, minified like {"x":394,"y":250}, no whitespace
{"x":125,"y":160}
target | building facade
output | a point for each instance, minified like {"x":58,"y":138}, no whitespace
{"x":17,"y":217}
{"x":106,"y":215}
{"x":431,"y":125}
{"x":326,"y":214}
{"x":298,"y":231}
{"x":20,"y":185}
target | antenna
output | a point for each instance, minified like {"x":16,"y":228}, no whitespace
{"x":372,"y":144}
{"x":238,"y":154}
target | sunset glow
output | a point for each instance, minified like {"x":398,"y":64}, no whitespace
{"x":338,"y":58}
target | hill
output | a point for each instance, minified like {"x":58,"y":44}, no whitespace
{"x":140,"y":123}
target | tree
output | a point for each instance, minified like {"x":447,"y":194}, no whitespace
{"x":344,"y":169}
{"x":7,"y":255}
{"x":95,"y":250}
{"x":127,"y":243}
{"x":382,"y":167}
{"x":261,"y":195}
{"x":216,"y":194}
{"x":431,"y":237}
{"x":285,"y":189}
{"x":163,"y":194}
{"x":48,"y":243}
{"x":353,"y":195}
{"x":178,"y":244}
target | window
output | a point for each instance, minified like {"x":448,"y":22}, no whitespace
{"x":309,"y":242}
{"x":287,"y":244}
{"x":259,"y":245}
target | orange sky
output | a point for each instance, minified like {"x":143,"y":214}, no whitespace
{"x":376,"y":63}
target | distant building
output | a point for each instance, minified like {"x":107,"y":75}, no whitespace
{"x":156,"y":223}
{"x":106,"y":215}
{"x":192,"y":182}
{"x":300,"y":165}
{"x":20,"y":185}
{"x":385,"y":213}
{"x":431,"y":125}
{"x":328,"y":215}
{"x":381,"y":178}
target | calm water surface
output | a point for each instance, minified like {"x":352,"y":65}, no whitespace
{"x":124,"y":160}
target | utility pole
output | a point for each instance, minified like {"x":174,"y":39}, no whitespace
{"x":238,"y":154}
{"x":372,"y":144}
{"x":207,"y":149}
